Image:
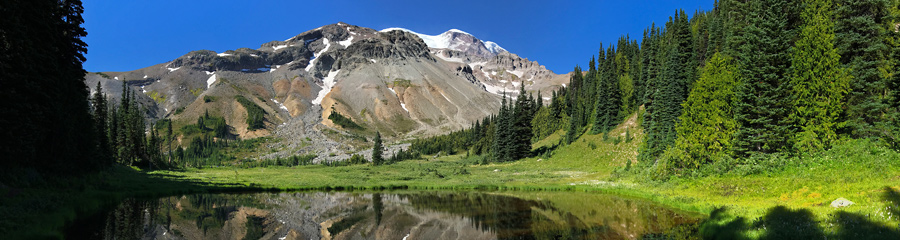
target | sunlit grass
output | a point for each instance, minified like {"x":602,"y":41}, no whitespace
{"x":859,"y":170}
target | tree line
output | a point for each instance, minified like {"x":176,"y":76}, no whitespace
{"x":745,"y":80}
{"x":506,"y":136}
{"x":47,"y":128}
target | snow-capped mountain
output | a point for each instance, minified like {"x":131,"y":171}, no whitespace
{"x":455,"y":39}
{"x":394,"y":81}
{"x":493,"y":66}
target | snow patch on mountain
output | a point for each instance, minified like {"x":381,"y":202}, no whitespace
{"x":211,"y":80}
{"x":280,"y":105}
{"x":173,"y":69}
{"x":316,"y":55}
{"x":346,"y":43}
{"x":459,"y":60}
{"x":403,"y":105}
{"x":327,"y":83}
{"x":493,"y":47}
{"x":518,"y":73}
{"x":279,"y":47}
{"x":500,"y":90}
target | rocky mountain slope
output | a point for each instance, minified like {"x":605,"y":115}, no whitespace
{"x":395,"y":81}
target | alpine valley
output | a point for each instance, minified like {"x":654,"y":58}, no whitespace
{"x":395,"y":81}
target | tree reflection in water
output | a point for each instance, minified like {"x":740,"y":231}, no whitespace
{"x":387,"y":215}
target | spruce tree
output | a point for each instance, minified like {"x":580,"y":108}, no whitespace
{"x":818,"y":82}
{"x":761,"y":99}
{"x":377,"y":150}
{"x":672,"y":88}
{"x":716,"y":19}
{"x":610,"y":85}
{"x":601,"y":101}
{"x":169,"y":139}
{"x":734,"y":16}
{"x":893,"y":84}
{"x":860,"y":27}
{"x":521,"y":135}
{"x":653,"y":52}
{"x":100,"y":124}
{"x":573,"y":130}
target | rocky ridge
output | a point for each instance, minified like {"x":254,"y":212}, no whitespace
{"x":394,"y":81}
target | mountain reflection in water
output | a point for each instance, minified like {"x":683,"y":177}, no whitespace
{"x":386,"y":215}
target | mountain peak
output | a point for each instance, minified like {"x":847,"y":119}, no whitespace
{"x":458,"y":40}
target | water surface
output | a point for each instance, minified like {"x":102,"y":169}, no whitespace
{"x":386,"y":215}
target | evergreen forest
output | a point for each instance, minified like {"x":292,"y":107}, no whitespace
{"x":745,"y":81}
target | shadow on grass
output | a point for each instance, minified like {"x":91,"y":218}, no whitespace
{"x":544,"y":150}
{"x":783,"y":223}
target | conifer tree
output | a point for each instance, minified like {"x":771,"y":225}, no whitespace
{"x":653,"y":54}
{"x":100,"y":124}
{"x":624,"y":81}
{"x":818,"y":82}
{"x":575,"y":110}
{"x":735,"y":16}
{"x":672,"y":88}
{"x":860,"y":27}
{"x":377,"y":150}
{"x":520,"y":137}
{"x":44,"y":107}
{"x":761,"y":106}
{"x":169,"y":139}
{"x":893,"y":81}
{"x":602,"y":99}
{"x":716,"y":19}
{"x":707,"y":122}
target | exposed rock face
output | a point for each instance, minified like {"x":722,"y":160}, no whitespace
{"x":395,"y":81}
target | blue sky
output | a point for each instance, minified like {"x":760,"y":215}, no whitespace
{"x":128,"y":35}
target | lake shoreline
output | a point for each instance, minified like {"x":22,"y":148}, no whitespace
{"x":725,"y":200}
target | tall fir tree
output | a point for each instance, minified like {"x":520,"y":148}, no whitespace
{"x":893,"y":80}
{"x":98,"y":100}
{"x":602,"y":98}
{"x":672,"y":88}
{"x":860,"y":26}
{"x":650,"y":65}
{"x":169,"y":139}
{"x":818,"y":82}
{"x":715,"y":28}
{"x":761,"y":106}
{"x":377,"y":150}
{"x":573,"y":130}
{"x":520,"y":146}
{"x":734,"y":16}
